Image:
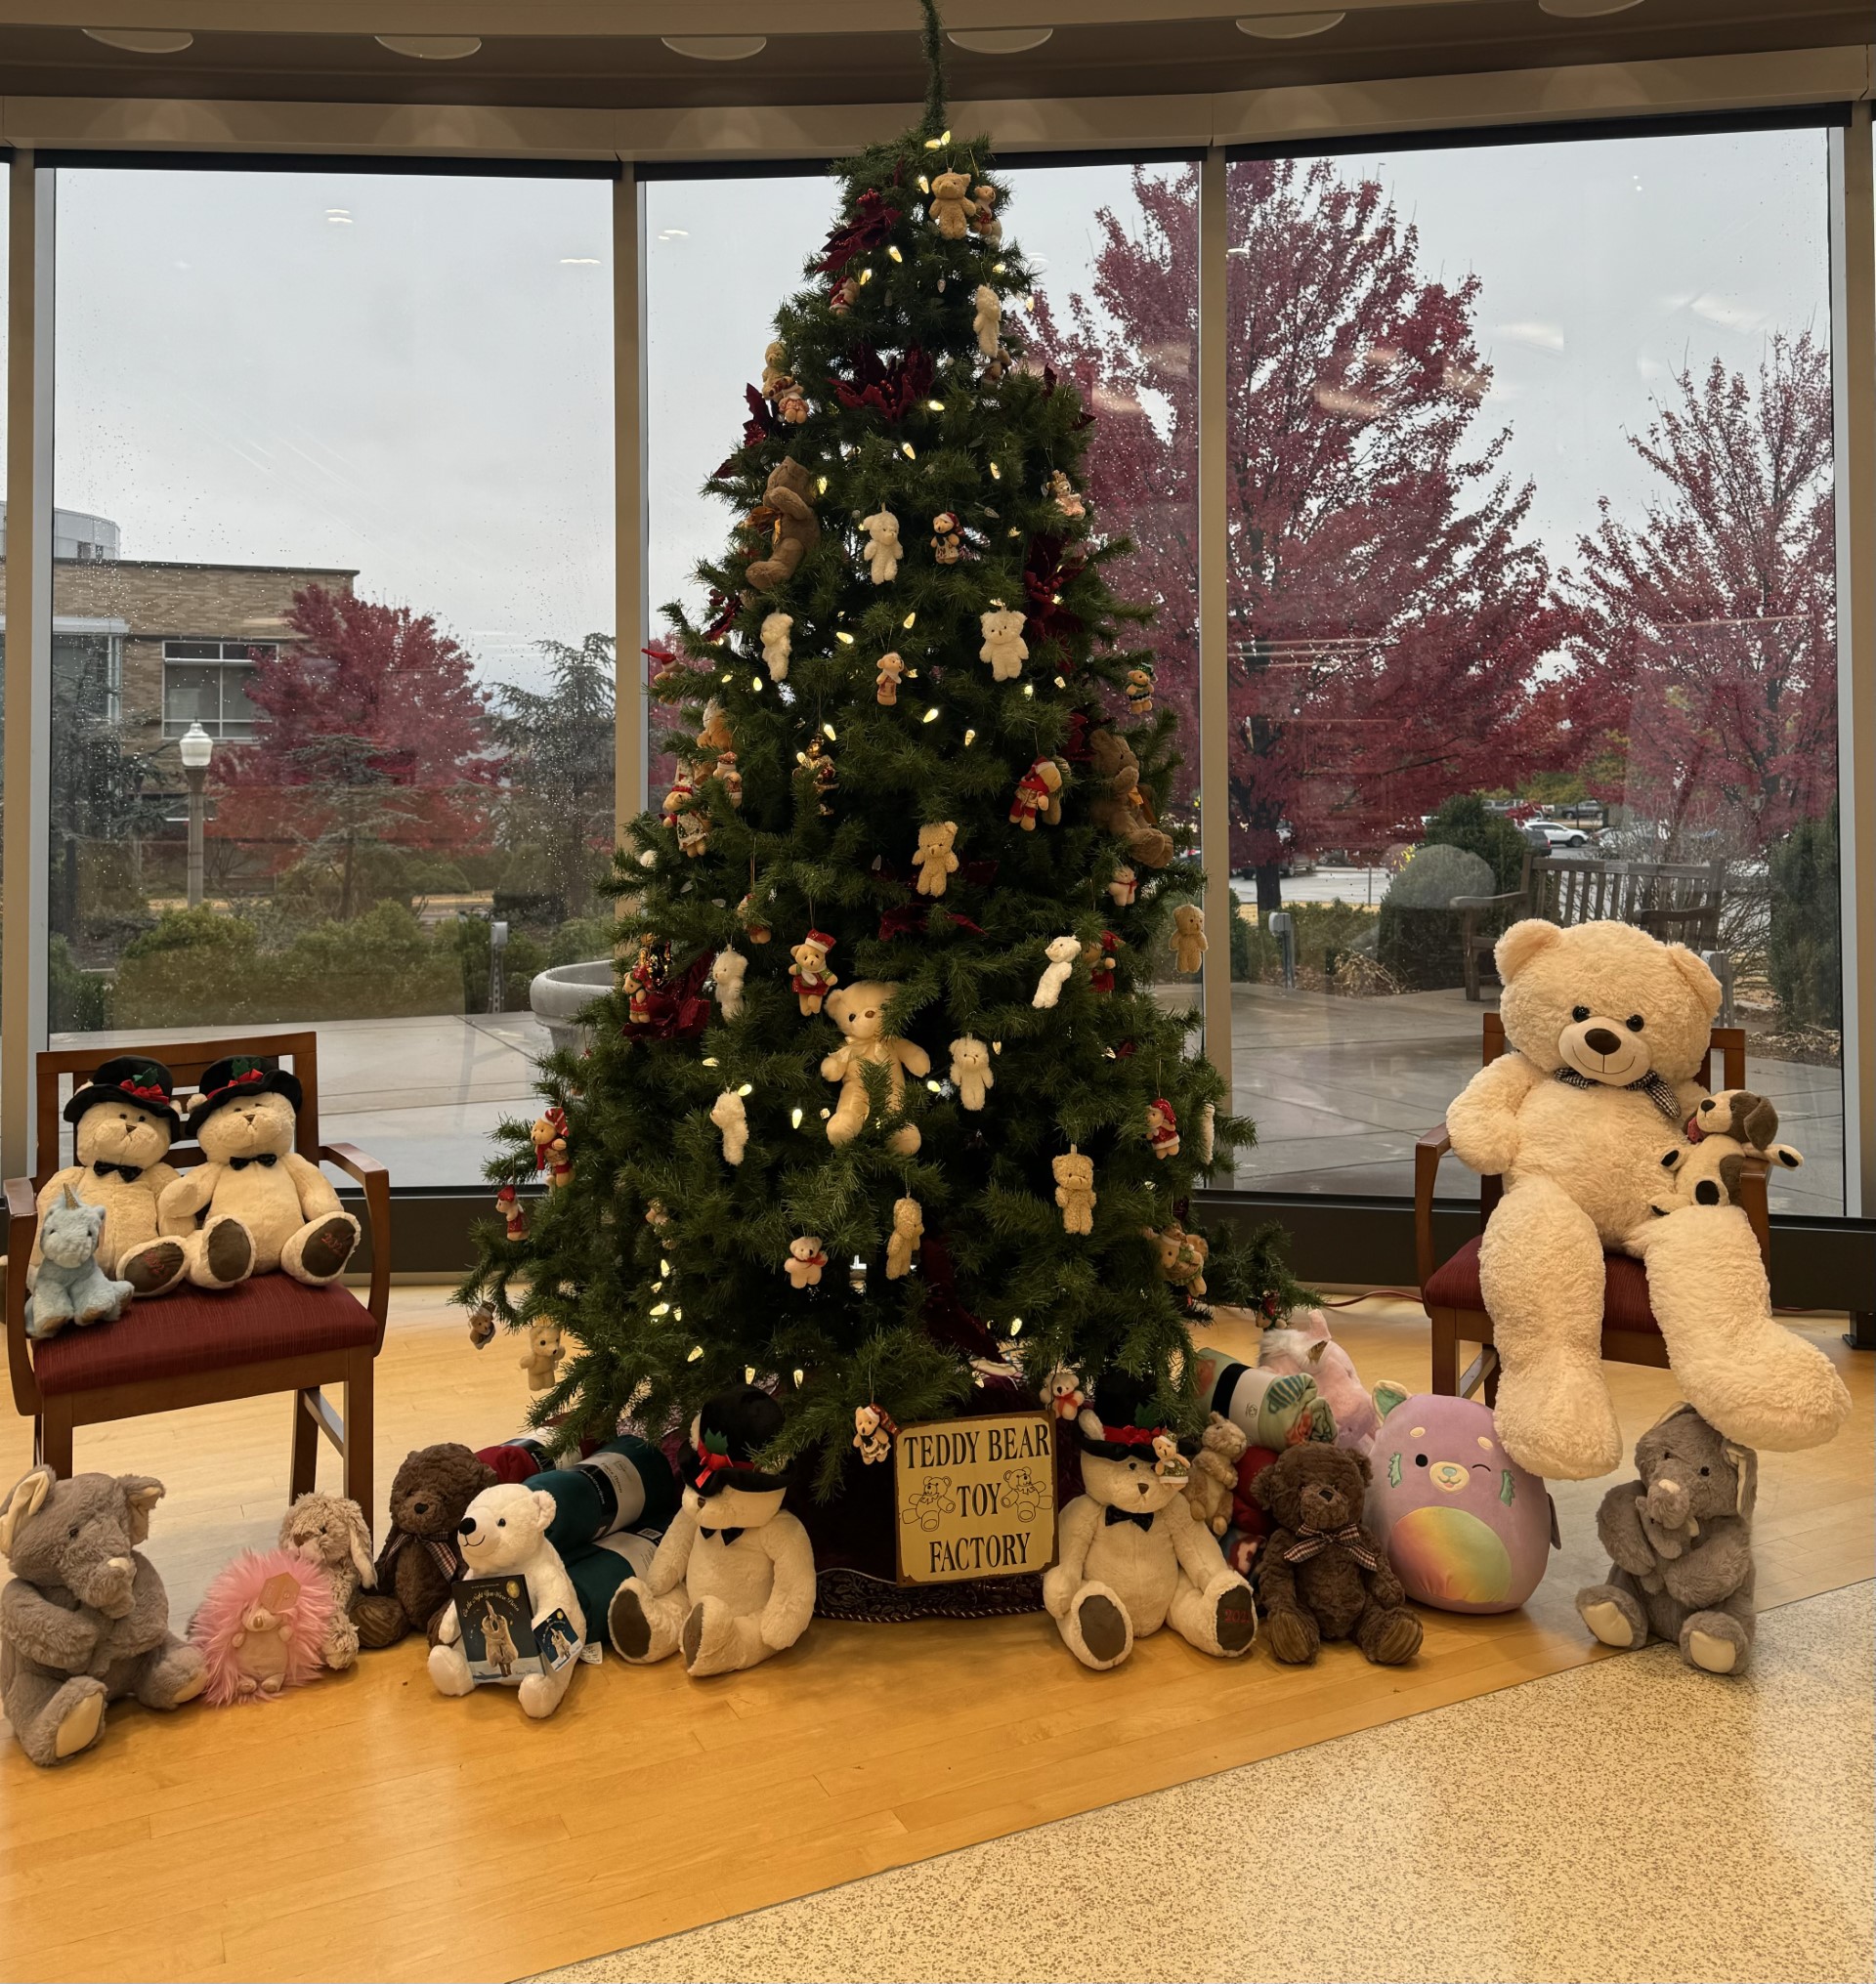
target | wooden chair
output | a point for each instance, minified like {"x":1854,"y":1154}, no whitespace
{"x":1450,"y":1292}
{"x":197,"y":1347}
{"x":1677,"y":901}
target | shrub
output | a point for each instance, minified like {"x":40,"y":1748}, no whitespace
{"x":1419,"y":934}
{"x":1463,"y":820}
{"x":78,"y":1001}
{"x":1804,"y":958}
{"x":1322,"y":929}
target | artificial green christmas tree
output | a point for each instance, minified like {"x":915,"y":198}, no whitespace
{"x":885,"y":1086}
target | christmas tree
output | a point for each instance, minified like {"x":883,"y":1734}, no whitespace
{"x":885,"y":1086}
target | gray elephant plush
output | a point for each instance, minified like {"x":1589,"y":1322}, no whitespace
{"x":85,"y":1618}
{"x":1682,"y":1540}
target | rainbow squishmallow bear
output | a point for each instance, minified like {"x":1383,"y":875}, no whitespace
{"x":1466,"y":1527}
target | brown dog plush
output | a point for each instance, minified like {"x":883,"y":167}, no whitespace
{"x":1324,"y":1576}
{"x":420,"y":1560}
{"x":798,"y":529}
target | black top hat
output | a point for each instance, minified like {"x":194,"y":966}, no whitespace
{"x":240,"y":1075}
{"x":133,"y":1078}
{"x":1122,"y":1412}
{"x":728,"y":1432}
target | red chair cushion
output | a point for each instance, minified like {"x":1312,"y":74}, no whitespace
{"x":1625,"y":1289}
{"x":192,"y":1330}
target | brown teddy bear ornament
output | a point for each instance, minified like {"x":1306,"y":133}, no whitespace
{"x":1325,"y":1576}
{"x":798,"y":529}
{"x":1120,"y":805}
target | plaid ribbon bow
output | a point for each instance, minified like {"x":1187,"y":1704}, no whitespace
{"x":1312,"y":1542}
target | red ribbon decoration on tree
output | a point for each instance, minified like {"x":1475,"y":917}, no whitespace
{"x":890,"y":388}
{"x":762,"y":423}
{"x":1131,"y":1436}
{"x":1048,"y":568}
{"x":873,"y":221}
{"x":908,"y":919}
{"x":675,"y":1011}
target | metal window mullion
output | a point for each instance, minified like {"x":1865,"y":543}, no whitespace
{"x":629,"y":499}
{"x":1215,"y":807}
{"x":28,"y":664}
{"x":1853,"y":309}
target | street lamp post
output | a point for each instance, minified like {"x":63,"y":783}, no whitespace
{"x":196,"y":747}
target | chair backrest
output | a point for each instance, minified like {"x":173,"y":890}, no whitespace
{"x":61,"y":1069}
{"x":1679,"y":900}
{"x":1729,"y":1043}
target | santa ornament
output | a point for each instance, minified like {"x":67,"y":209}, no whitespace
{"x":513,"y":1212}
{"x":1162,"y":1128}
{"x":812,"y":978}
{"x":549,"y":1135}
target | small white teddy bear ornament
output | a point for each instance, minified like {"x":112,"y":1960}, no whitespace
{"x":733,"y":1581}
{"x":971,"y":1075}
{"x":882,"y":551}
{"x":1132,"y":1556}
{"x":777,"y":647}
{"x":1062,"y":955}
{"x":727,"y":972}
{"x":988,"y":323}
{"x":1004,"y":647}
{"x":503,"y":1532}
{"x":732,"y":1119}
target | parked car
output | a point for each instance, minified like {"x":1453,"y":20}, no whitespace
{"x":1555,"y":834}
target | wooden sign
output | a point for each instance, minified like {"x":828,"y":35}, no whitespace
{"x":975,"y":1497}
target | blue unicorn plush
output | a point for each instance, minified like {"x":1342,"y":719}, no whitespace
{"x":69,"y":1285}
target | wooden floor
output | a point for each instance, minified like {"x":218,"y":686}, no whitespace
{"x":366,"y":1826}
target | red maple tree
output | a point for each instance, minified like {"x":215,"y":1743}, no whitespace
{"x":371,"y":730}
{"x":1704,"y":650}
{"x":1388,"y":612}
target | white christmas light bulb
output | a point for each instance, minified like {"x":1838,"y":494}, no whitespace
{"x":931,"y":715}
{"x":755,"y":683}
{"x":894,"y":253}
{"x":907,"y":449}
{"x":748,"y":1373}
{"x":696,"y":1351}
{"x":970,"y":737}
{"x":827,"y":730}
{"x":747,"y":1088}
{"x":794,"y":1115}
{"x":660,"y":1309}
{"x":909,"y":620}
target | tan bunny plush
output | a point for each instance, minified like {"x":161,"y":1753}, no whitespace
{"x":331,"y":1529}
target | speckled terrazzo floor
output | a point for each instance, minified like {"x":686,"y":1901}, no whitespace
{"x":1627,"y":1820}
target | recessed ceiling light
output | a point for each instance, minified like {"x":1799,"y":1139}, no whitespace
{"x":716,"y":47}
{"x":580,"y":260}
{"x":143,"y":40}
{"x":1585,"y":9}
{"x":999,"y":40}
{"x":1288,"y":26}
{"x":430,"y":47}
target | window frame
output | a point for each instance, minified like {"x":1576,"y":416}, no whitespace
{"x":223,"y":662}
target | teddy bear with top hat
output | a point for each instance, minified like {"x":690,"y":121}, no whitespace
{"x":123,"y":1121}
{"x":1132,"y":1557}
{"x":733,"y":1581}
{"x":255,"y":1205}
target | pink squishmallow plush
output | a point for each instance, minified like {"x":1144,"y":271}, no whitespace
{"x":263,"y":1626}
{"x":1466,"y":1527}
{"x":1304,"y":1344}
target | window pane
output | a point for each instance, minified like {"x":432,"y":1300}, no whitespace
{"x":1531,"y":608}
{"x":359,"y":550}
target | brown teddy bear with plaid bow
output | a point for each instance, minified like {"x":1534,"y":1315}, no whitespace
{"x":1324,"y":1576}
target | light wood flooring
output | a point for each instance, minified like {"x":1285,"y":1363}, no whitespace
{"x":366,"y":1826}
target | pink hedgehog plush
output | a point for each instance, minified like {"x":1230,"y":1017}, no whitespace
{"x":261,"y":1625}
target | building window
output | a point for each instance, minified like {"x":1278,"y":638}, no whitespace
{"x":205,"y":682}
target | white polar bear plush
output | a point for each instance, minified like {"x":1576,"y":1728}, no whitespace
{"x":504,"y":1530}
{"x":883,"y":550}
{"x":1607,"y":1027}
{"x":1131,"y":1555}
{"x":122,"y":1122}
{"x":256,"y":1204}
{"x":733,"y":1581}
{"x":1004,"y":647}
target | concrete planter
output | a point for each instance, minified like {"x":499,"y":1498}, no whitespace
{"x":557,"y":994}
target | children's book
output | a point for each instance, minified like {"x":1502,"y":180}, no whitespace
{"x":500,"y":1640}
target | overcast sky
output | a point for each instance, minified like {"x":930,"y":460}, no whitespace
{"x":412,"y":375}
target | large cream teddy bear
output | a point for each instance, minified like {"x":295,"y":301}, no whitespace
{"x":255,"y":1187}
{"x":859,"y":1011}
{"x":733,"y":1581}
{"x":1607,"y":1028}
{"x":1131,"y":1555}
{"x":123,"y":1119}
{"x":505,"y":1532}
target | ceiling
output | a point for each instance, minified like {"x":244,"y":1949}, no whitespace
{"x":607,"y":54}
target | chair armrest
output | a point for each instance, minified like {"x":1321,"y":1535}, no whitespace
{"x":1430,"y":1147}
{"x":23,"y":1224}
{"x":1484,"y":902}
{"x":376,"y":1181}
{"x":1751,"y":1195}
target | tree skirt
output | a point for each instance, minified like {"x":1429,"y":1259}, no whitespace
{"x":875,"y":1601}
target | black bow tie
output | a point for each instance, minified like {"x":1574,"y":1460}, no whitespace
{"x":728,"y":1535}
{"x":1141,"y":1519}
{"x":267,"y":1158}
{"x":104,"y":1167}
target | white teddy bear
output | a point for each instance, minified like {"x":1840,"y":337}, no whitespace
{"x":733,"y":1581}
{"x":1607,"y":1027}
{"x":255,"y":1185}
{"x":971,"y":1075}
{"x":1004,"y":647}
{"x":733,"y":1120}
{"x":1132,"y":1557}
{"x":504,"y":1530}
{"x":988,"y":321}
{"x":727,"y":971}
{"x":777,"y":647}
{"x":1062,"y":954}
{"x":883,"y":550}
